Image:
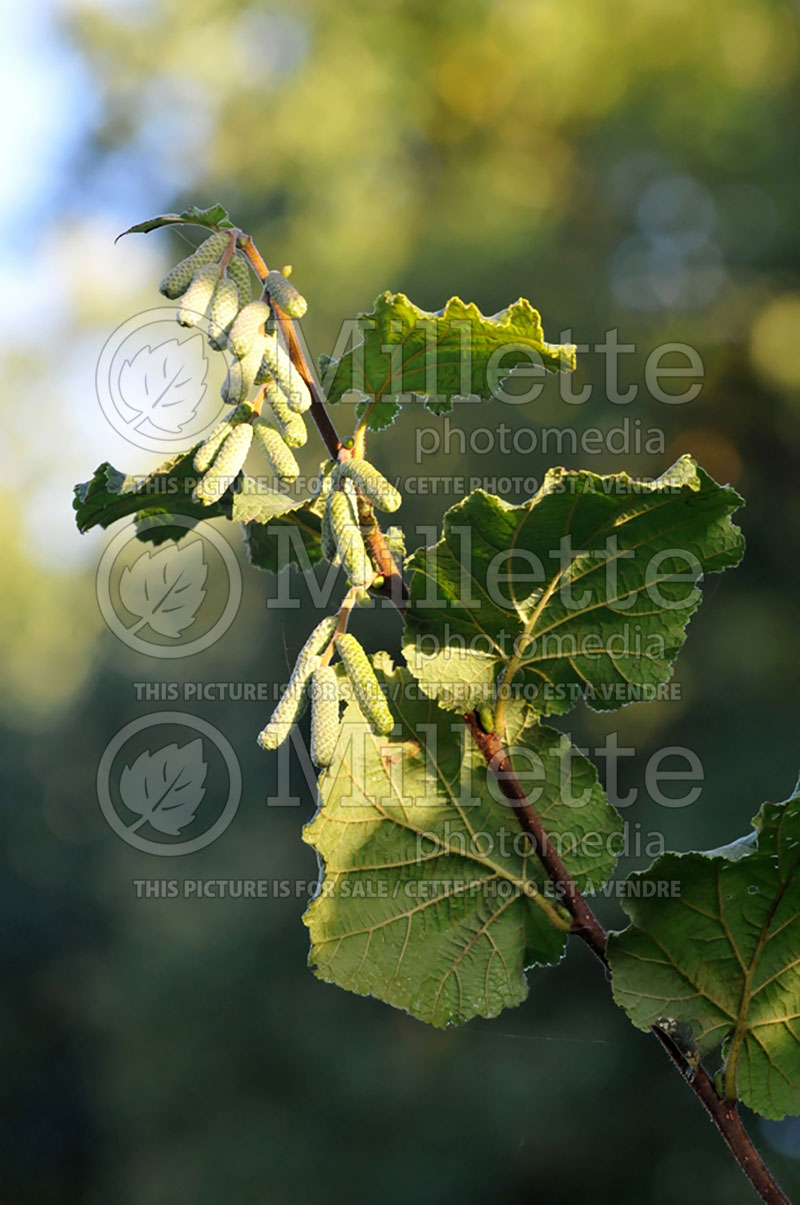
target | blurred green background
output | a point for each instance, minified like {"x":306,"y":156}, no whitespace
{"x":631,"y":166}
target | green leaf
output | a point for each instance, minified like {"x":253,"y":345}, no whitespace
{"x":720,"y":952}
{"x":381,"y":414}
{"x":153,"y":497}
{"x":255,"y":503}
{"x":214,"y":218}
{"x":438,"y":356}
{"x":582,"y":592}
{"x":291,"y":537}
{"x":430,"y":898}
{"x":156,"y":525}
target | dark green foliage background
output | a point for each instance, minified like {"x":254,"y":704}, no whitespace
{"x":170,"y":1050}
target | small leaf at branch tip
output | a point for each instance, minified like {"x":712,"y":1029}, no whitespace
{"x":212,"y":217}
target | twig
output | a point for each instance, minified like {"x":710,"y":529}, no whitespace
{"x":394,"y":587}
{"x":317,"y":410}
{"x":723,"y":1113}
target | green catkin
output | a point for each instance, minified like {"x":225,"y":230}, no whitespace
{"x":308,"y":660}
{"x":246,"y":328}
{"x":241,"y":374}
{"x":176,"y":281}
{"x":197,"y":298}
{"x":327,"y":538}
{"x":324,"y":714}
{"x":224,"y":308}
{"x":349,"y":542}
{"x":277,"y":363}
{"x":285,"y":294}
{"x":320,"y":637}
{"x":212,"y":249}
{"x":178,"y":278}
{"x":281,"y":460}
{"x":226,"y":466}
{"x":208,"y":450}
{"x":290,"y":425}
{"x":366,"y":688}
{"x":291,"y":703}
{"x":239,"y":273}
{"x":328,"y":545}
{"x":371,"y":483}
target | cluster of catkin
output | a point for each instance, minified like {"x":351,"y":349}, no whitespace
{"x":312,"y":677}
{"x":214,"y":283}
{"x":244,"y":327}
{"x":342,"y":541}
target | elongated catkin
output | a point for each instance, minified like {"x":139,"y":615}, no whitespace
{"x":285,"y":294}
{"x":226,"y":466}
{"x":349,"y":541}
{"x":371,"y":483}
{"x":197,"y":298}
{"x":324,"y":714}
{"x":366,"y":688}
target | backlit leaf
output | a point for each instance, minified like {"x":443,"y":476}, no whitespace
{"x":584,"y":591}
{"x":714,"y":943}
{"x":154,"y":498}
{"x":455,"y":352}
{"x":214,"y":217}
{"x":430,"y":898}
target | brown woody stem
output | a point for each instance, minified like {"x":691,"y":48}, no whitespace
{"x":585,"y":925}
